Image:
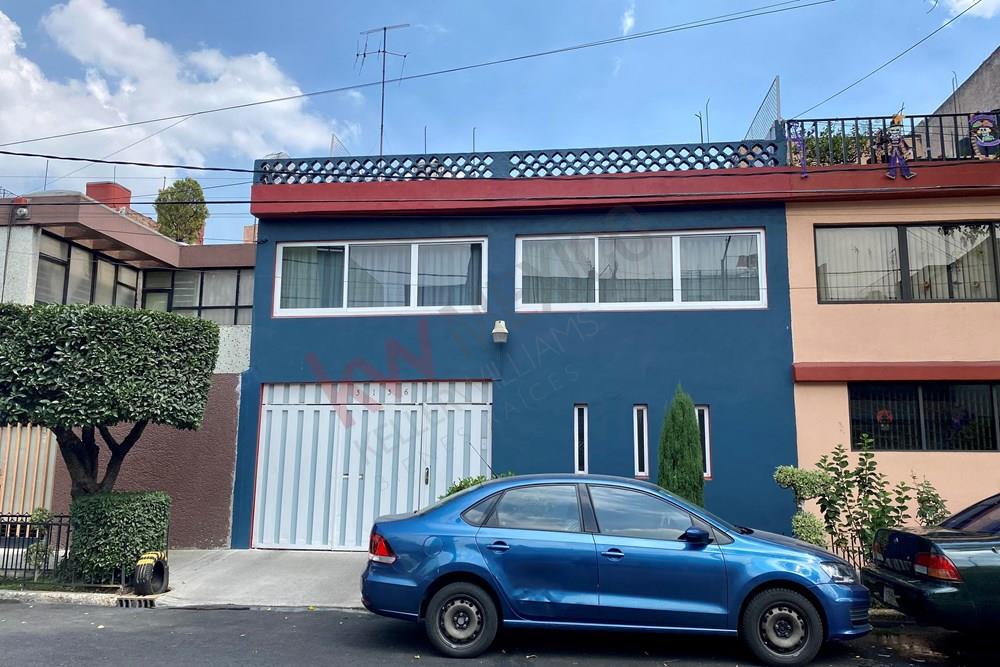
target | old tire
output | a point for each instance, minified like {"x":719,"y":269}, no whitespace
{"x":461,"y":620}
{"x":782,"y":627}
{"x":152,"y":576}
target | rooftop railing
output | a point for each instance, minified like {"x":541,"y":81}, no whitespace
{"x":523,"y":164}
{"x":864,"y":140}
{"x":818,"y":141}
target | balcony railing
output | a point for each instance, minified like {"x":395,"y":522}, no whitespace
{"x":523,"y":164}
{"x":864,"y":140}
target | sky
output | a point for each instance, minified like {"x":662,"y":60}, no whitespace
{"x":82,"y":64}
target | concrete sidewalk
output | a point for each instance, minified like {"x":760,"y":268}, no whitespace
{"x":248,"y":578}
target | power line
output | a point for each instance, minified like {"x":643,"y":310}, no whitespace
{"x":764,"y":10}
{"x":891,"y":60}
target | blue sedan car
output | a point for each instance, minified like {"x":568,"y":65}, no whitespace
{"x":585,"y":551}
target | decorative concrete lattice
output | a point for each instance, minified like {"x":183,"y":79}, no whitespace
{"x":522,"y":164}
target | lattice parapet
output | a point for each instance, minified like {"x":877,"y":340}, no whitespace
{"x":522,"y":164}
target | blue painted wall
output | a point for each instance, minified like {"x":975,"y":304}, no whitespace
{"x":736,"y":361}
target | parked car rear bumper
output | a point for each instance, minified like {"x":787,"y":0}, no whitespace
{"x":929,"y":602}
{"x":387,"y":593}
{"x":846,"y":610}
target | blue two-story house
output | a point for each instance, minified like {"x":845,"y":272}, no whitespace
{"x":423,"y":319}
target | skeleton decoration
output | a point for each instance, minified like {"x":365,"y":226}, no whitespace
{"x":896,"y":147}
{"x":983,"y":131}
{"x":798,"y":136}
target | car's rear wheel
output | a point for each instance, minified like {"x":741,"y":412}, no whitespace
{"x":461,"y":620}
{"x":782,"y":627}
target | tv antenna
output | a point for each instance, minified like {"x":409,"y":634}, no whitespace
{"x":363,"y":53}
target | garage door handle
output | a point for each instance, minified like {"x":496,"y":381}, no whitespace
{"x":427,"y":476}
{"x":613,"y":554}
{"x":499,"y":547}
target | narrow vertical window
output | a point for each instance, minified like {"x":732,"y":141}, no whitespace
{"x":580,"y":438}
{"x":640,"y":431}
{"x":705,"y":433}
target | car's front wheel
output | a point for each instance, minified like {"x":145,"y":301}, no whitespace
{"x":461,"y":620}
{"x":782,"y":627}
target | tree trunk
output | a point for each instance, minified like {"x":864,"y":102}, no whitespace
{"x":81,"y":453}
{"x":81,"y":462}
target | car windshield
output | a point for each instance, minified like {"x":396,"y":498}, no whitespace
{"x":983,"y":517}
{"x":447,"y":499}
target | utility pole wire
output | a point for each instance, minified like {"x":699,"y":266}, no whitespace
{"x":891,"y":60}
{"x":764,"y":10}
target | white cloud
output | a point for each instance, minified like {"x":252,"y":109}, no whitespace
{"x":986,"y":9}
{"x":131,"y":76}
{"x":628,"y":19}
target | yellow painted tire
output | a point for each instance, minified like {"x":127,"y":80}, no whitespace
{"x":152,"y":575}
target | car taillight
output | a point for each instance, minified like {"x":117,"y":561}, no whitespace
{"x":379,"y":550}
{"x":936,"y":566}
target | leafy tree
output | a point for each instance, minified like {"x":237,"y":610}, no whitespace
{"x":181,"y":211}
{"x":82,"y":370}
{"x":681,"y":469}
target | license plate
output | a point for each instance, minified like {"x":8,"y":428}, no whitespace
{"x":889,"y":596}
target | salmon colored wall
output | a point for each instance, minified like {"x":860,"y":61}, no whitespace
{"x":893,"y":331}
{"x":886,"y":333}
{"x":822,"y":422}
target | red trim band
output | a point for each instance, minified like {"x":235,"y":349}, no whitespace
{"x":846,"y":371}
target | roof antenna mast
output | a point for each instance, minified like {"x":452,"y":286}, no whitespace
{"x":383,"y":52}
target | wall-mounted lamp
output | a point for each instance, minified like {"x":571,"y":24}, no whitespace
{"x":21,"y":210}
{"x":500,"y":332}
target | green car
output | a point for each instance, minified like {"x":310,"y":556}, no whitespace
{"x":948,"y":575}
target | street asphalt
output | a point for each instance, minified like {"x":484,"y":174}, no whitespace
{"x":53,"y":635}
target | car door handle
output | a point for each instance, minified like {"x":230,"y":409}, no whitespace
{"x":498,"y":547}
{"x":613,"y":554}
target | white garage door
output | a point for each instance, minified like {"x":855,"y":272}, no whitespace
{"x":333,"y":457}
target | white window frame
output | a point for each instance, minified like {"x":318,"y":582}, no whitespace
{"x":708,"y":438}
{"x":644,"y":460}
{"x":354,"y":311}
{"x":576,"y":439}
{"x":675,"y":304}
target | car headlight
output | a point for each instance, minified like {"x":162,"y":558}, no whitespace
{"x":840,"y":573}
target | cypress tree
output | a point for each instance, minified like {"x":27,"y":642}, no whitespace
{"x":681,"y":470}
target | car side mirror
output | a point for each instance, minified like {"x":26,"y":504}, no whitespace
{"x":696,"y":535}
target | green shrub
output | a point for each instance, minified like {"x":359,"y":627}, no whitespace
{"x":931,"y":508}
{"x":111,"y":530}
{"x":809,"y":528}
{"x":469,"y":482}
{"x":855,"y":500}
{"x":681,"y":470}
{"x":805,"y":484}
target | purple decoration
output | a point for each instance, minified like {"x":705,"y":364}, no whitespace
{"x":796,"y":134}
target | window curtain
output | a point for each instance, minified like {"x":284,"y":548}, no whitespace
{"x":858,"y":264}
{"x":951,"y":262}
{"x":720,"y":268}
{"x":379,"y":276}
{"x":312,"y":277}
{"x":636,"y":269}
{"x":219,"y":288}
{"x":449,"y":274}
{"x":558,"y":271}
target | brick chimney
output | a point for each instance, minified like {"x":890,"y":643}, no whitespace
{"x":111,"y":195}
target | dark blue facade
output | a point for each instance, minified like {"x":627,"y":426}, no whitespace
{"x":738,"y":362}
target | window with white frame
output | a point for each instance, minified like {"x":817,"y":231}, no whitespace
{"x":580,"y":436}
{"x":705,"y":434}
{"x":429,"y":276}
{"x":640,"y":431}
{"x":641,"y":271}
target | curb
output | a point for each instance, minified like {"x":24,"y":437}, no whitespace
{"x":59,"y":597}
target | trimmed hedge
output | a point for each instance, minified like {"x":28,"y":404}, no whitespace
{"x":68,"y":366}
{"x":111,"y":530}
